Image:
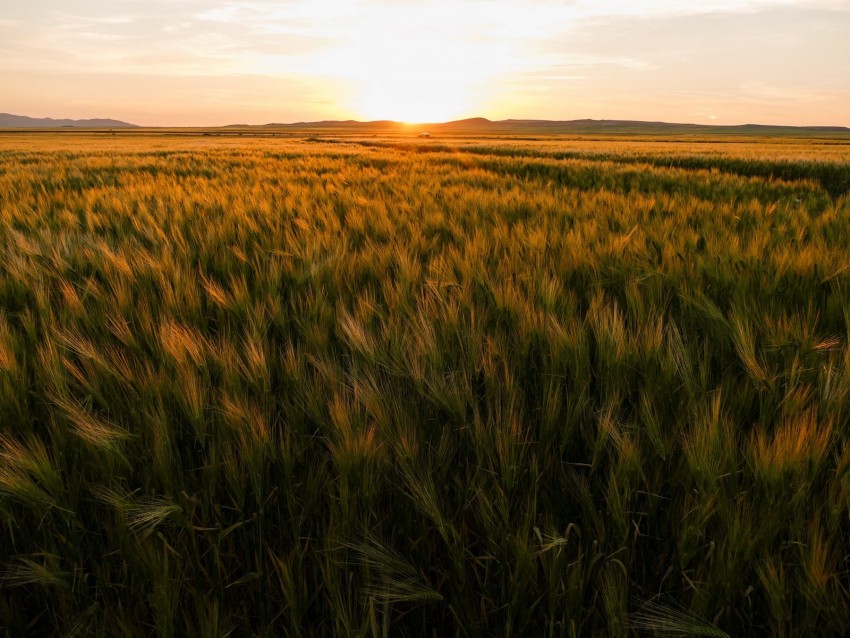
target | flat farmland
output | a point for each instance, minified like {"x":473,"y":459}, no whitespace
{"x":383,"y":386}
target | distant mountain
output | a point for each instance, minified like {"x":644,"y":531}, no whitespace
{"x":637,"y":127}
{"x":7,"y":120}
{"x":481,"y":125}
{"x":630,"y":127}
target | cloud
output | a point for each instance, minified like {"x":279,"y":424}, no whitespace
{"x":489,"y":55}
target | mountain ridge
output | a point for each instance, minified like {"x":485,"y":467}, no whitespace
{"x":470,"y":125}
{"x":8,"y":120}
{"x":583,"y":126}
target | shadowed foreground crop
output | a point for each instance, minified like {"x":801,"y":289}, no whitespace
{"x":311,"y":388}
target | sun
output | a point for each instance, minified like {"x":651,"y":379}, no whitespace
{"x":409,"y":68}
{"x":412,"y":99}
{"x":414,"y":79}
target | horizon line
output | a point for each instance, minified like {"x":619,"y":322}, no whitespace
{"x":482,"y":120}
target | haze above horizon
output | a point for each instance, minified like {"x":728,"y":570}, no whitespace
{"x":205,"y":63}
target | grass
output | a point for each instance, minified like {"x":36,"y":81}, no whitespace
{"x":347,"y":387}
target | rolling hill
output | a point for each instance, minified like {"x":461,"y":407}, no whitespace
{"x":484,"y":126}
{"x":7,"y":120}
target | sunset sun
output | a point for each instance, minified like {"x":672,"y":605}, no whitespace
{"x":409,"y":66}
{"x":412,"y":100}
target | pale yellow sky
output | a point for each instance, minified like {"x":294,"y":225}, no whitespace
{"x":207,"y":62}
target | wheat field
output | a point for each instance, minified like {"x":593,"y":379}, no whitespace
{"x":392,"y":387}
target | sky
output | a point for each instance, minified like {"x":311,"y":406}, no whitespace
{"x":217,"y":62}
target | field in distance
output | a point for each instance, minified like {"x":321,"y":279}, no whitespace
{"x":368,"y":384}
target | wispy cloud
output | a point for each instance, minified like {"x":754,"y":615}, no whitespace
{"x":485,"y":56}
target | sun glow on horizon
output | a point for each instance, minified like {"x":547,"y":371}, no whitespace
{"x":412,"y":103}
{"x":416,"y":81}
{"x":414,"y":66}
